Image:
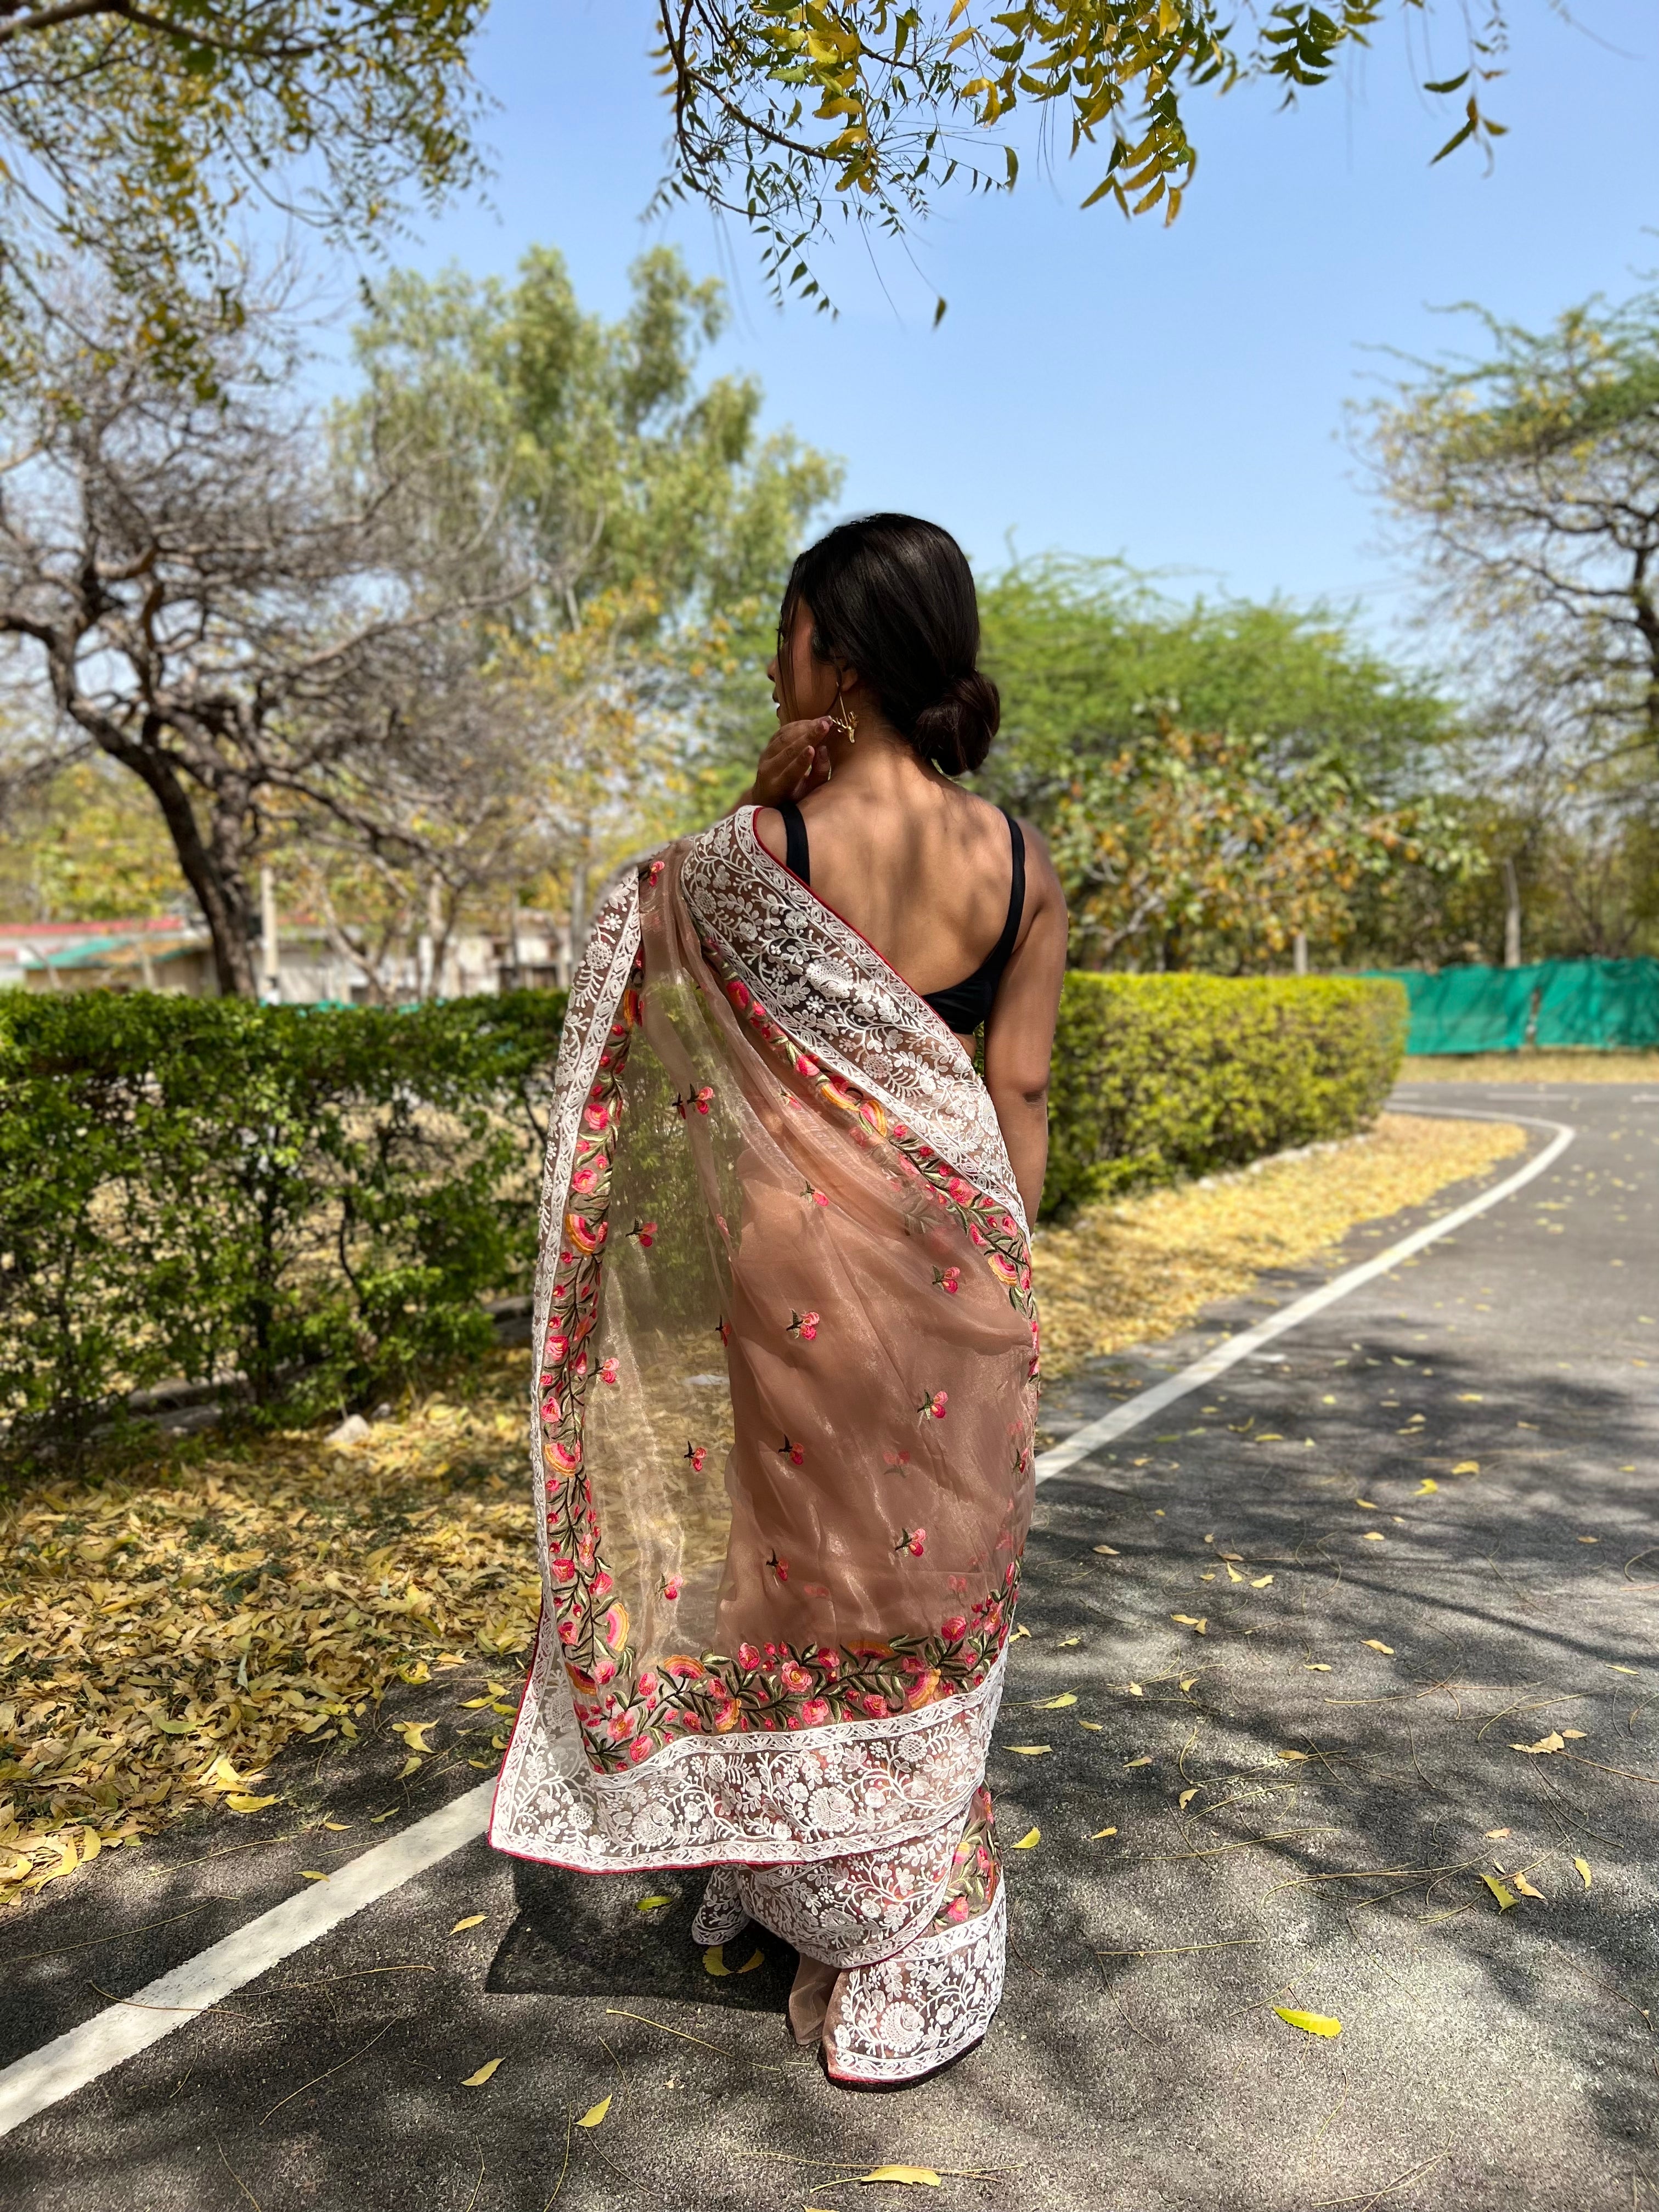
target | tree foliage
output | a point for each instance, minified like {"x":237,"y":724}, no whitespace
{"x":787,"y":112}
{"x":134,"y":134}
{"x":1528,"y":478}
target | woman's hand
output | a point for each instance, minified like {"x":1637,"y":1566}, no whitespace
{"x":795,"y":762}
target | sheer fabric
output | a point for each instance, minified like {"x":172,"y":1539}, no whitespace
{"x":782,"y":1445}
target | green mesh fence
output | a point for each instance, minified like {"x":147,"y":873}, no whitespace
{"x":1550,"y":1003}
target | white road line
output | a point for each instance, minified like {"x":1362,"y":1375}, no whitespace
{"x":59,"y":2069}
{"x":175,"y":1999}
{"x":1088,"y":1439}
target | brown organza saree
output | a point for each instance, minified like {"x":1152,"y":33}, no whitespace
{"x":782,"y":1452}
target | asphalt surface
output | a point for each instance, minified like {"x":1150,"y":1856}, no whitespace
{"x":1502,"y":2058}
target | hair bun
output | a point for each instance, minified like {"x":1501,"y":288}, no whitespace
{"x":954,"y":733}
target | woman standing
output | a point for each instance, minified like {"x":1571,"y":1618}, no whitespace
{"x":787,"y":1383}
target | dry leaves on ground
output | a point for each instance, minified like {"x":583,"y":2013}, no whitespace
{"x":164,"y":1636}
{"x":1131,"y":1272}
{"x":1592,"y":1064}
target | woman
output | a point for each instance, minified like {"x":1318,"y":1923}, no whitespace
{"x":787,"y":1391}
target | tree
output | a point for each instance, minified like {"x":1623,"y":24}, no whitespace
{"x":187,"y":587}
{"x":653,"y":521}
{"x":1527,"y":479}
{"x":1088,"y":654}
{"x":789,"y":112}
{"x":133,"y":133}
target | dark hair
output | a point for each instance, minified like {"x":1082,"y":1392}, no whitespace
{"x":894,"y":598}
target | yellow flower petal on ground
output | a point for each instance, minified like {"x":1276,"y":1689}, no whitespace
{"x":476,"y":2080}
{"x":1310,"y":2023}
{"x":594,"y":2113}
{"x":1029,"y":1840}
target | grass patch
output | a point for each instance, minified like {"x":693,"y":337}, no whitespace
{"x":1591,"y":1065}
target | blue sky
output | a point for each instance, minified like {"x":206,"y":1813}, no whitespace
{"x":1176,"y":396}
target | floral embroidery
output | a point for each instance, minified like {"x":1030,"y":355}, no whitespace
{"x":804,"y":1326}
{"x":913,"y":1541}
{"x":934,"y":1405}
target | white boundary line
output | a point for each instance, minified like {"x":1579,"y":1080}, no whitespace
{"x":1088,"y":1440}
{"x":175,"y":1999}
{"x":59,"y":2068}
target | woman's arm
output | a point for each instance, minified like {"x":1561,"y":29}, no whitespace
{"x":1019,"y":1038}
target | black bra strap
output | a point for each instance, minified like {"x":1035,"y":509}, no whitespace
{"x":796,"y":857}
{"x":1004,"y":944}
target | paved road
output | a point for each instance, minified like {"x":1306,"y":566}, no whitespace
{"x":1501,"y":2059}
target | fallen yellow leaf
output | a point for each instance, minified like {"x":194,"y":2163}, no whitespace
{"x":339,"y":1827}
{"x":1317,"y":1666}
{"x":1099,"y":1833}
{"x":1426,"y":1488}
{"x":1135,"y":1689}
{"x":310,"y":1873}
{"x":1233,"y":1575}
{"x":241,"y":1803}
{"x":755,"y":1959}
{"x":713,"y":1960}
{"x":1028,"y":1750}
{"x":1269,"y":1436}
{"x":1187,"y":1680}
{"x":1526,"y":1889}
{"x":1310,"y":2023}
{"x":1583,"y":1866}
{"x":1552,"y":1742}
{"x":1186,"y":1797}
{"x":594,"y":2113}
{"x":413,"y":1733}
{"x":1055,"y":1705}
{"x":1093,"y":1727}
{"x":1492,"y":1834}
{"x":410,"y":1766}
{"x":1292,"y":1754}
{"x":1371,"y":1644}
{"x":1467,"y":1466}
{"x":1186,"y":1620}
{"x":1029,"y":1840}
{"x":476,"y":2080}
{"x":1368,"y":1505}
{"x":650,"y":1904}
{"x":1109,"y":1551}
{"x":923,"y":2175}
{"x":1374,"y":1536}
{"x":472,"y":1920}
{"x":1145,"y":1760}
{"x":1260,"y":1582}
{"x":1471,"y":1398}
{"x":1504,"y":1900}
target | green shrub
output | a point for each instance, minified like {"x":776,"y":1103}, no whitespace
{"x":310,"y":1200}
{"x":1157,"y":1077}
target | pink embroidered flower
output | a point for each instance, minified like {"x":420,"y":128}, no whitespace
{"x":597,"y":1116}
{"x":737,"y":993}
{"x":913,"y":1541}
{"x":825,"y":1658}
{"x":604,"y":1670}
{"x":875,"y":1706}
{"x":657,"y":867}
{"x":639,"y":1749}
{"x":796,"y":1453}
{"x":957,"y":1909}
{"x":806,"y":1066}
{"x":899,"y":1460}
{"x":671,"y":1587}
{"x":962,"y":1192}
{"x":697,"y":1454}
{"x":608,"y":1372}
{"x":781,"y":1569}
{"x":647,"y":1684}
{"x":747,"y":1656}
{"x":562,"y":1570}
{"x":725,"y":1717}
{"x":794,"y":1677}
{"x":566,"y":1631}
{"x":601,"y":1585}
{"x":815,"y":1712}
{"x":773,"y":1651}
{"x":557,"y":1344}
{"x":954,"y":1629}
{"x":935,"y":1406}
{"x":948,"y":1279}
{"x":959,"y":1586}
{"x":584,"y":1180}
{"x":647,"y":1232}
{"x":702,"y":1099}
{"x":820,"y":1198}
{"x":803,"y":1326}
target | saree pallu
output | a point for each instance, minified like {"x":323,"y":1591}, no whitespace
{"x":782,"y":1446}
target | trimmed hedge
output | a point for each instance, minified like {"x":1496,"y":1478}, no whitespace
{"x":309,"y":1200}
{"x":1159,"y":1077}
{"x":314,"y":1202}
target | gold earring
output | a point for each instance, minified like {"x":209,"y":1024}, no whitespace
{"x":844,"y":718}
